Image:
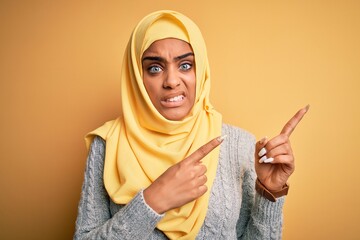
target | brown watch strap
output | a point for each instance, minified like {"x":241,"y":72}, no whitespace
{"x":271,"y":196}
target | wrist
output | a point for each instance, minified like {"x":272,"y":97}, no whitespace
{"x":270,"y":195}
{"x":153,"y":202}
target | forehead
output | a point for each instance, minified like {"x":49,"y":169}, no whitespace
{"x":168,"y":46}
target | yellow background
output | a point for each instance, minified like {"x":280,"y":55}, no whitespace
{"x":59,"y":78}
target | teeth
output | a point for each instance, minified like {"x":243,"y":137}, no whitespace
{"x":175,"y":99}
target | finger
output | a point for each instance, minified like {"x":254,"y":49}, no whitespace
{"x":287,"y":162}
{"x":260,"y":146}
{"x":200,"y":169}
{"x":205,"y":149}
{"x":202,"y":190}
{"x":279,"y":145}
{"x":293,"y":122}
{"x":283,"y":149}
{"x":276,"y":141}
{"x":196,"y":171}
{"x":268,"y":145}
{"x":283,"y":159}
{"x":202,"y":180}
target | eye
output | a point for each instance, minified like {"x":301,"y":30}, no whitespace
{"x":185,"y":66}
{"x":154,"y":69}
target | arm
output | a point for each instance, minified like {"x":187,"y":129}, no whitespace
{"x":259,"y":218}
{"x":273,"y":161}
{"x":136,"y":220}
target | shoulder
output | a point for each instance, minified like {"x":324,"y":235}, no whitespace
{"x":96,"y":154}
{"x":99,"y":141}
{"x":98,"y":144}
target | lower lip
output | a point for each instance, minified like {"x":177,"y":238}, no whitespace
{"x":173,"y":104}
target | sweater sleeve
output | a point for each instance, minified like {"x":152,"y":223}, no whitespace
{"x":135,"y":220}
{"x":259,"y":218}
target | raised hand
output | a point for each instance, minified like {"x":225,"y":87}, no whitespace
{"x":274,"y":159}
{"x":182,"y":182}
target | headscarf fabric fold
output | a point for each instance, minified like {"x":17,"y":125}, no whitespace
{"x":141,"y":144}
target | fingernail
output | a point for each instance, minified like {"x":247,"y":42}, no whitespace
{"x":222,"y":138}
{"x":263,"y":159}
{"x":269,"y":160}
{"x":262,"y":152}
{"x":307,"y":107}
{"x":262,"y":140}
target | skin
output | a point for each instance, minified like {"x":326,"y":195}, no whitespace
{"x":169,"y":77}
{"x":165,"y":75}
{"x":181,"y":183}
{"x":274,"y":175}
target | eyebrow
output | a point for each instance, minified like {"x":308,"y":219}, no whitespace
{"x":184,"y":56}
{"x":160,"y":59}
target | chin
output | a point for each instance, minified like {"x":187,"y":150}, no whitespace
{"x":175,"y":115}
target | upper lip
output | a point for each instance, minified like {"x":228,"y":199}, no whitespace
{"x":172,"y":95}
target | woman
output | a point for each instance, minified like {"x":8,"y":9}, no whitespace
{"x":157,"y":172}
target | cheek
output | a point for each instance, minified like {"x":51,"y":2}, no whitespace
{"x":150,"y":89}
{"x":192,"y":86}
{"x":153,"y":88}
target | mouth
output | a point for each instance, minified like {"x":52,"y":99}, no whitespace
{"x":174,"y":100}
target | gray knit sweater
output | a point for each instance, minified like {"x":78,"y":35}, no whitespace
{"x":235,"y":210}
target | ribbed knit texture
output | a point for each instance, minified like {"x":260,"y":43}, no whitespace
{"x":235,"y":210}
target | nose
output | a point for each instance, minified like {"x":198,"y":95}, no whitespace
{"x":171,"y":79}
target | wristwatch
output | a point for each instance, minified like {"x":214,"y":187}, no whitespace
{"x":270,"y":195}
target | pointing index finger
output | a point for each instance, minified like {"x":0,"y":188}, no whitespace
{"x":293,"y":122}
{"x":205,"y":149}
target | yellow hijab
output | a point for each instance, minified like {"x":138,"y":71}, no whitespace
{"x":141,"y":144}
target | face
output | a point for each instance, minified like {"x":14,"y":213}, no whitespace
{"x":169,"y":77}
